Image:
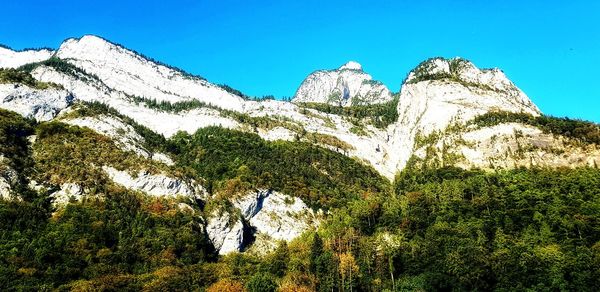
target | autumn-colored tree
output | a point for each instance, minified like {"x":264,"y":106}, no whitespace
{"x":226,"y":285}
{"x":348,"y":270}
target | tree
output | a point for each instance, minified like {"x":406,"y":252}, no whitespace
{"x":261,"y":282}
{"x":226,"y":285}
{"x":348,"y":270}
{"x":316,"y":250}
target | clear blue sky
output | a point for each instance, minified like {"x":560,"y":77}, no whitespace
{"x":550,"y":49}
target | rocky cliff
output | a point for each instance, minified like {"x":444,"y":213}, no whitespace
{"x":346,"y":86}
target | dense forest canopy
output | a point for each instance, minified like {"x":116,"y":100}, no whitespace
{"x":321,"y":177}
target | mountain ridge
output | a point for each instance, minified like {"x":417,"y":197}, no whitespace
{"x":445,"y":92}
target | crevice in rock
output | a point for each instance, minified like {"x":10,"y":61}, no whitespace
{"x":249,"y":235}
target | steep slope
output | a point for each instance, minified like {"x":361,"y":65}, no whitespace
{"x":346,"y":86}
{"x":88,"y":87}
{"x":440,"y":92}
{"x":340,"y":109}
{"x":15,"y":154}
{"x":290,"y":183}
{"x":505,"y":140}
{"x":170,"y":116}
{"x":108,"y":151}
{"x":128,"y":72}
{"x":20,"y":92}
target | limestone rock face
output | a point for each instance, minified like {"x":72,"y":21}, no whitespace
{"x":436,"y":94}
{"x":226,"y":235}
{"x":125,"y":71}
{"x":155,"y":184}
{"x":348,"y":85}
{"x":442,"y":92}
{"x":90,"y":88}
{"x":41,"y":104}
{"x":279,"y":216}
{"x":262,"y":214}
{"x":510,"y":145}
{"x":13,"y":59}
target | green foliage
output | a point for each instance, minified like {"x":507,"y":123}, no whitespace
{"x":328,"y":140}
{"x":321,"y":177}
{"x":71,"y":154}
{"x":265,"y":97}
{"x":520,"y":229}
{"x":583,"y":131}
{"x":233,"y":91}
{"x":123,"y":241}
{"x":358,"y":130}
{"x":380,"y":115}
{"x":424,"y":72}
{"x":175,"y":107}
{"x":436,"y":229}
{"x":9,"y":75}
{"x":262,"y":282}
{"x":14,"y":148}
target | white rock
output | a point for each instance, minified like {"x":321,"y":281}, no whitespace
{"x":186,"y":208}
{"x":14,"y":59}
{"x":511,"y":145}
{"x":163,"y":158}
{"x":279,"y":216}
{"x":68,"y":192}
{"x":277,"y":133}
{"x":159,"y":121}
{"x":351,"y":66}
{"x":155,"y":184}
{"x":43,"y":105}
{"x":272,"y":215}
{"x":424,"y":107}
{"x":125,"y":71}
{"x":226,"y":236}
{"x":123,"y":134}
{"x":432,"y":105}
{"x":5,"y":189}
{"x":346,"y":86}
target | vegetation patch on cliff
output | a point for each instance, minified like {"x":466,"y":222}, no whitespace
{"x":9,"y":75}
{"x":579,"y":130}
{"x":379,"y":115}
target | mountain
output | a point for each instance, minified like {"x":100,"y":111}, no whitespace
{"x":13,"y":59}
{"x":346,"y":86}
{"x":436,"y":95}
{"x":118,"y":141}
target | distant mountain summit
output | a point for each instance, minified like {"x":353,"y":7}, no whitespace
{"x":348,"y":85}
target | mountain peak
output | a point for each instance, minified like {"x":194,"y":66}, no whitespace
{"x":134,"y":74}
{"x":349,"y":85}
{"x":351,"y":65}
{"x":462,"y":71}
